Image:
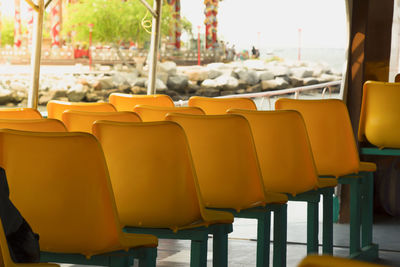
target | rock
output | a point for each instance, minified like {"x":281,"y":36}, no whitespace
{"x":254,"y":89}
{"x":279,"y":71}
{"x":177,"y":82}
{"x":302,"y":72}
{"x":209,"y":84}
{"x":92,"y":97}
{"x":6,"y":96}
{"x":310,"y":81}
{"x":216,"y":66}
{"x":137,"y":90}
{"x":141,"y":82}
{"x":241,"y":91}
{"x":197,"y":74}
{"x":126,"y":89}
{"x":193,"y":87}
{"x":276,"y":84}
{"x":250,"y":77}
{"x":227,"y":82}
{"x":229,"y":92}
{"x":18,"y":86}
{"x":58,"y":91}
{"x":254,"y":64}
{"x":213,"y":74}
{"x":168,"y":67}
{"x":106,"y":82}
{"x":163,"y":76}
{"x":160,"y":86}
{"x":126,"y":78}
{"x":266,"y":75}
{"x":327,"y":78}
{"x":209,"y":92}
{"x":296,"y":82}
{"x":77,"y":93}
{"x":171,"y":93}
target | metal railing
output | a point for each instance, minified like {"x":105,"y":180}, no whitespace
{"x":326,"y":87}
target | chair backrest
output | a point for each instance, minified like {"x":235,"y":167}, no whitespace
{"x":330,"y":132}
{"x":82,"y":121}
{"x":35,"y":125}
{"x":20,"y":113}
{"x":380,"y":114}
{"x":150,"y":164}
{"x":330,"y":261}
{"x":126,"y":102}
{"x":60,"y":183}
{"x":55,"y":108}
{"x":154,"y":113}
{"x":283,"y":150}
{"x":225,"y":159}
{"x":213,"y":106}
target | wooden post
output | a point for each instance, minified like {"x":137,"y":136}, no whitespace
{"x":155,"y":43}
{"x":35,"y":56}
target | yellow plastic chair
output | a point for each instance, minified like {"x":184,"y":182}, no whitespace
{"x":36,"y":125}
{"x":126,"y":102}
{"x":380,"y":115}
{"x":230,"y":178}
{"x":19,"y":113}
{"x":82,"y":121}
{"x":214,"y":106}
{"x":154,"y":113}
{"x":60,"y":183}
{"x":142,"y":159}
{"x":335,"y":154}
{"x":55,"y":108}
{"x":6,"y":258}
{"x":287,"y":165}
{"x":329,"y":261}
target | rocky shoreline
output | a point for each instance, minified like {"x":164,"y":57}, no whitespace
{"x":180,"y":83}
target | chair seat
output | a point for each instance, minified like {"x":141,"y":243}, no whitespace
{"x":275,"y":198}
{"x":213,"y":216}
{"x":367,"y":166}
{"x":138,"y":240}
{"x":327,"y":182}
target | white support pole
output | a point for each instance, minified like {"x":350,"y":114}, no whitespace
{"x":35,"y":56}
{"x":155,"y":43}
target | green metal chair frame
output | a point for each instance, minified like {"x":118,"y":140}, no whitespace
{"x":263,"y":216}
{"x":199,"y":239}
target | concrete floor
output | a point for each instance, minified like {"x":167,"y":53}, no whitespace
{"x":242,"y":242}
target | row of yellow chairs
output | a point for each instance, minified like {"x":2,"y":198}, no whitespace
{"x":264,"y":117}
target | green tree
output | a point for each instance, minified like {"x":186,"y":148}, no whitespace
{"x":7,"y":31}
{"x":113,"y":20}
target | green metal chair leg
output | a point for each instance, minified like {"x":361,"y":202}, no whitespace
{"x":355,"y":213}
{"x":327,"y":221}
{"x":120,"y":262}
{"x":280,"y":235}
{"x":312,"y":227}
{"x":367,"y":208}
{"x":263,"y":239}
{"x":149,"y":259}
{"x":198,"y":255}
{"x":220,"y":244}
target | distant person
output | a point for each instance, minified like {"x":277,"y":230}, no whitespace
{"x":255,"y":53}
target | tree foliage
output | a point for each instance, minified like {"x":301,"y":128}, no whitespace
{"x":112,"y":20}
{"x":7,"y":31}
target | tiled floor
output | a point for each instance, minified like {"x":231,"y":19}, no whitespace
{"x":242,"y":242}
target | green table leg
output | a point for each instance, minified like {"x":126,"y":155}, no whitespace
{"x":220,"y":244}
{"x":367,"y":208}
{"x":355,"y":214}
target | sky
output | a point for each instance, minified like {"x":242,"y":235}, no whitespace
{"x":267,"y":23}
{"x":272,"y":23}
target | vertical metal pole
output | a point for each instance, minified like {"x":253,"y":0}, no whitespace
{"x":155,"y":42}
{"x":198,"y":46}
{"x":35,"y":56}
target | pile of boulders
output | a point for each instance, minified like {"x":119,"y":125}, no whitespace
{"x":179,"y":82}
